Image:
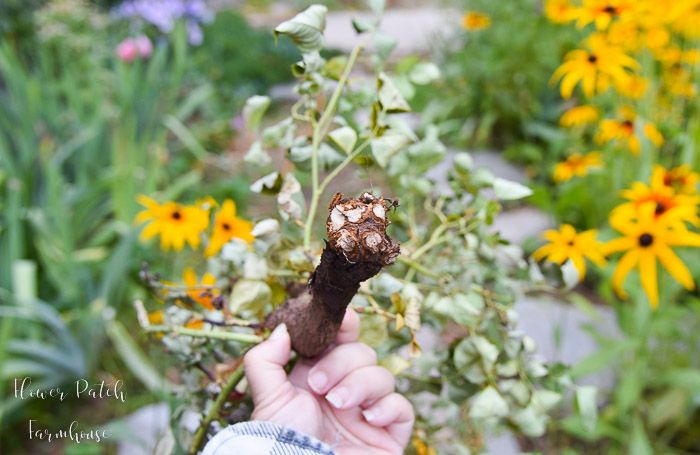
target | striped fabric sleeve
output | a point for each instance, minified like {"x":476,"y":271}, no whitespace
{"x":264,"y":438}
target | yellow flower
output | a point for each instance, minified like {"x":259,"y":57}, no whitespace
{"x":677,"y":208}
{"x":175,"y":223}
{"x":473,"y":20}
{"x":577,"y":165}
{"x":624,"y":130}
{"x":681,"y":179}
{"x":627,"y":35}
{"x":634,"y":87}
{"x":603,"y":12}
{"x":228,"y":226}
{"x":646,"y":238}
{"x":155,"y":317}
{"x":596,"y":68}
{"x":203,"y":292}
{"x":194,"y":324}
{"x":567,"y":244}
{"x":559,"y":11}
{"x":657,"y":38}
{"x":422,"y":448}
{"x":579,"y":115}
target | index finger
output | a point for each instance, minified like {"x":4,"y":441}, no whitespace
{"x":349,"y":329}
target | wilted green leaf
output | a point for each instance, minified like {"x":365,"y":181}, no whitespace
{"x":306,"y":28}
{"x":290,"y":198}
{"x":424,"y":73}
{"x":508,"y":190}
{"x":488,"y":404}
{"x":373,"y":330}
{"x":253,"y":111}
{"x":390,"y":98}
{"x":385,"y":146}
{"x":269,"y":184}
{"x":587,"y":405}
{"x":530,"y":421}
{"x":257,"y":156}
{"x":344,"y":137}
{"x":384,"y":44}
{"x":249,"y":295}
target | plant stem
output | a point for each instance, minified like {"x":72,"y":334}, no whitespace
{"x":213,"y":334}
{"x":213,"y":413}
{"x":418,"y":267}
{"x":318,"y":135}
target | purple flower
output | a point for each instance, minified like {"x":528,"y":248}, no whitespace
{"x":163,"y":14}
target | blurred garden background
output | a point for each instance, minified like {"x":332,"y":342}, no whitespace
{"x":557,"y":140}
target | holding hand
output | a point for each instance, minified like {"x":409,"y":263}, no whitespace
{"x":342,"y":398}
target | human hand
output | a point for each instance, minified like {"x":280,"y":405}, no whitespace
{"x":341,"y":398}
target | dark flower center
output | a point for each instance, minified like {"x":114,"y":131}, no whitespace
{"x":660,"y":208}
{"x":610,"y":10}
{"x":645,"y":240}
{"x":176,"y":215}
{"x":592,"y":58}
{"x":225,"y":226}
{"x":571,"y":243}
{"x":628,"y":125}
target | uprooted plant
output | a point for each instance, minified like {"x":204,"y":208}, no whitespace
{"x":440,"y":317}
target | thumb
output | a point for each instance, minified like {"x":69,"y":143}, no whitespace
{"x":264,"y":364}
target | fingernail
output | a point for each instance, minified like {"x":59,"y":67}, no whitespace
{"x":370,"y":415}
{"x":317,"y":381}
{"x":337,"y":397}
{"x":279,"y":332}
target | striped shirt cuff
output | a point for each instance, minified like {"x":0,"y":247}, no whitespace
{"x":264,"y":438}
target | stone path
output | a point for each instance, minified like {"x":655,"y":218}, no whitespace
{"x":416,"y":30}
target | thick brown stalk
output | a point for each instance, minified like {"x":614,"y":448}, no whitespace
{"x":357,"y":249}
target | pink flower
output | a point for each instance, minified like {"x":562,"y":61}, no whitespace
{"x":132,"y":48}
{"x":127,"y":50}
{"x":144,"y":46}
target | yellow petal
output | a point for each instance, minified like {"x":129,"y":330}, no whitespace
{"x":647,"y":273}
{"x":675,"y":266}
{"x":542,"y":252}
{"x":208,"y":279}
{"x":580,"y":265}
{"x":189,"y":277}
{"x":628,"y":261}
{"x":619,"y":244}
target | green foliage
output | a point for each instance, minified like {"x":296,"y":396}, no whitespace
{"x":653,"y":407}
{"x":486,"y":376}
{"x":496,"y":89}
{"x":240,"y":61}
{"x":81,"y":134}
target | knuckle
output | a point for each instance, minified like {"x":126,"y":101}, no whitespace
{"x":368,"y":352}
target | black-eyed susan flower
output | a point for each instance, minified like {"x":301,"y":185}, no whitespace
{"x":474,"y":20}
{"x":596,"y":68}
{"x":566,"y":244}
{"x":202,"y":292}
{"x":176,"y":224}
{"x":559,"y":11}
{"x":577,"y":165}
{"x":624,"y":129}
{"x":681,"y":179}
{"x":678,"y":208}
{"x":645,"y":239}
{"x":579,"y":116}
{"x":634,"y":87}
{"x":603,"y":12}
{"x":228,"y":226}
